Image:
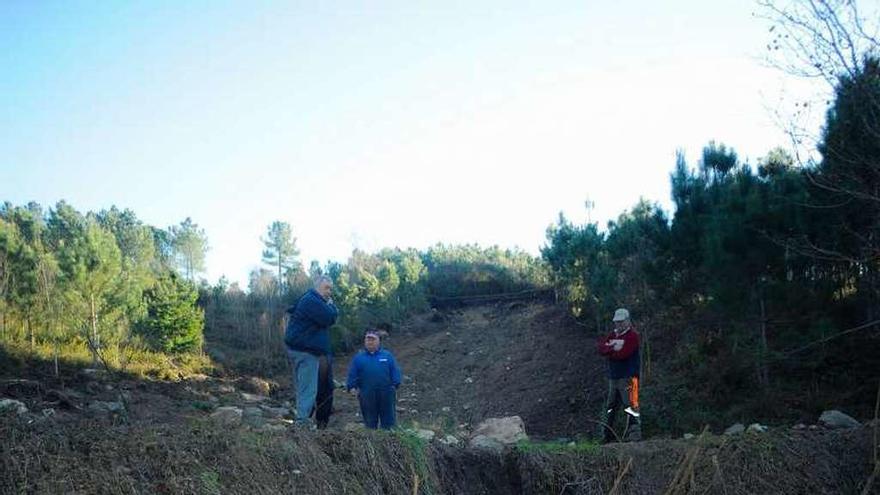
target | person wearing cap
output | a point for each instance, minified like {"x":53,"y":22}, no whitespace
{"x":374,"y":376}
{"x":307,"y":342}
{"x":621,"y":347}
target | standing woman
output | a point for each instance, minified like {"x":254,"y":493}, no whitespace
{"x":375,"y":376}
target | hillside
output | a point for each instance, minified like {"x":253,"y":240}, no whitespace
{"x":101,"y":433}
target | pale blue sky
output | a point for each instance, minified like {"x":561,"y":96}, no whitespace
{"x":373,"y":123}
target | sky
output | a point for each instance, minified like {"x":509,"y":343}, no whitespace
{"x":374,"y":124}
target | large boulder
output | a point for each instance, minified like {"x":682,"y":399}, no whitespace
{"x":484,"y":442}
{"x":837,"y":419}
{"x":735,"y":429}
{"x":227,"y":415}
{"x":507,"y":431}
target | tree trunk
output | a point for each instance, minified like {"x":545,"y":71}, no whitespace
{"x":763,"y":374}
{"x":95,"y":341}
{"x":55,"y":352}
{"x":30,"y":329}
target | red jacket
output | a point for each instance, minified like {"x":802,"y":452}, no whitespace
{"x":625,"y":362}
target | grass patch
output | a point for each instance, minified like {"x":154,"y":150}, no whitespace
{"x":134,"y":359}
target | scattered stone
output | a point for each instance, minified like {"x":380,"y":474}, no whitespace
{"x":484,"y":442}
{"x":837,"y":419}
{"x":253,"y":397}
{"x":688,"y":436}
{"x":48,"y":412}
{"x":13,"y":405}
{"x":297,"y":472}
{"x":735,"y":429}
{"x":469,"y":380}
{"x":814,"y":427}
{"x":450,"y":440}
{"x":426,"y":435}
{"x":66,"y":399}
{"x":756,"y":428}
{"x":228,"y":415}
{"x":338,"y":384}
{"x":400,"y":409}
{"x":799,"y":426}
{"x":107,"y":407}
{"x":508,"y":430}
{"x":225,"y":389}
{"x":255,"y":385}
{"x":445,"y":409}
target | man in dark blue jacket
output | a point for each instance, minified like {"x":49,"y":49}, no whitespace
{"x":307,"y":340}
{"x":375,"y":376}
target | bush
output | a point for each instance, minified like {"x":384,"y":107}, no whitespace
{"x":174,"y":323}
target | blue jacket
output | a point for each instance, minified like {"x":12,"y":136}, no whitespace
{"x":309,"y":324}
{"x":373,"y":371}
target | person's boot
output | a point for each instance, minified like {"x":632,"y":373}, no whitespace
{"x":633,"y":426}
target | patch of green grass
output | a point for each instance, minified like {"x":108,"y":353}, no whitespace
{"x":210,"y":482}
{"x":417,"y":448}
{"x":577,"y":447}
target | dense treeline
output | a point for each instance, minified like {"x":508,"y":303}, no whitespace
{"x":103,"y":281}
{"x":757,"y":271}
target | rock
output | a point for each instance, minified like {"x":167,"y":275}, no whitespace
{"x":756,"y":428}
{"x":799,"y":426}
{"x":426,"y":435}
{"x":275,"y":412}
{"x":65,"y":399}
{"x":469,"y":380}
{"x":255,"y":385}
{"x":508,"y":430}
{"x":107,"y":407}
{"x":484,"y":442}
{"x":400,"y":409}
{"x":450,"y":440}
{"x":735,"y":429}
{"x":837,"y":419}
{"x":445,"y":409}
{"x":225,"y":389}
{"x":253,"y":397}
{"x":688,"y":436}
{"x":227,"y":415}
{"x":16,"y":406}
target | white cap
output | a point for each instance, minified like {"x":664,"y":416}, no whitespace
{"x":621,"y":314}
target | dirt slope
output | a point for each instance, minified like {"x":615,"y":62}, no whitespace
{"x":462,"y":366}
